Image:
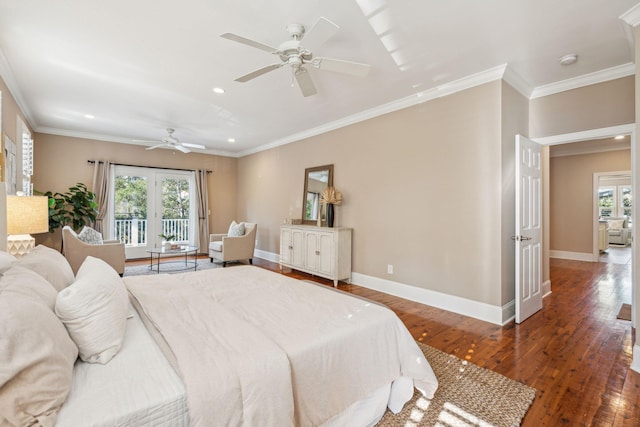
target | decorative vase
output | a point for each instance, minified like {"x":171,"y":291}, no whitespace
{"x":330,"y":214}
{"x":166,"y":245}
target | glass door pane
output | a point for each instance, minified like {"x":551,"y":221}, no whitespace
{"x":176,"y":207}
{"x":131,"y":213}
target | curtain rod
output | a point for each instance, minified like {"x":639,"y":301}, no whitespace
{"x":148,"y":167}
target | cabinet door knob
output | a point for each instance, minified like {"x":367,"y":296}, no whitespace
{"x":317,"y":252}
{"x":290,"y":247}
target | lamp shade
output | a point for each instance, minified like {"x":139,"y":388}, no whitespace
{"x":27,"y":214}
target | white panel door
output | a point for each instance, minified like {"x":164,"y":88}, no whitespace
{"x":528,"y":231}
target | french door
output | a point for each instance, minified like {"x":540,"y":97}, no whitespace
{"x":146,"y":203}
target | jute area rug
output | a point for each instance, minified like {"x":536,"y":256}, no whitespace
{"x":468,"y":395}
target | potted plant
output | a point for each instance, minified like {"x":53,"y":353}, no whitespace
{"x":76,"y":208}
{"x":166,"y":240}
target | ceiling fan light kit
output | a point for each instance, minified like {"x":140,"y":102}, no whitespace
{"x":293,"y":54}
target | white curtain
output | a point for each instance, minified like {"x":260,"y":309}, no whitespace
{"x":100,"y":187}
{"x":202,"y":195}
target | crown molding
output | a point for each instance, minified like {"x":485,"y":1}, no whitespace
{"x":517,"y":82}
{"x":632,"y":16}
{"x":108,"y":138}
{"x":492,"y":74}
{"x":7,"y":75}
{"x":585,"y":135}
{"x":608,"y":74}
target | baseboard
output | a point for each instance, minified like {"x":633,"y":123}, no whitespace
{"x":576,"y":256}
{"x":546,"y":288}
{"x":466,"y":307}
{"x":269,"y":256}
{"x":635,"y":362}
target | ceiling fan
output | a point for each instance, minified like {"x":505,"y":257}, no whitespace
{"x":296,"y":56}
{"x":173,"y":142}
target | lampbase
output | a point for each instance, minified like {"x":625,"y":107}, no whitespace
{"x":19,"y":245}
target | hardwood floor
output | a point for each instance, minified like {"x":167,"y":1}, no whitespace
{"x":574,"y":351}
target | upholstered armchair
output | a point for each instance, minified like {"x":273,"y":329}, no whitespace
{"x":227,"y":247}
{"x":76,"y":250}
{"x":619,"y":231}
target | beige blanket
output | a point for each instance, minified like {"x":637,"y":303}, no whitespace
{"x":255,"y":347}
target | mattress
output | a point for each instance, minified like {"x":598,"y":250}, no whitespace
{"x":138,"y":387}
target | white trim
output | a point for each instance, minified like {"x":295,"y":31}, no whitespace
{"x":546,"y":288}
{"x":269,"y":256}
{"x":632,"y":16}
{"x":601,"y":76}
{"x":635,"y":361}
{"x":7,"y":75}
{"x":587,"y":135}
{"x":446,"y":89}
{"x":517,"y":82}
{"x":466,"y":307}
{"x":576,"y":256}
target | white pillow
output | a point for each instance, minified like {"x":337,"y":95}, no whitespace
{"x":50,"y":264}
{"x":94,"y":309}
{"x":90,"y":236}
{"x":6,"y":260}
{"x":236,"y":230}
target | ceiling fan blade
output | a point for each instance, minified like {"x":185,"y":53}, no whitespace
{"x":252,"y":75}
{"x":181,"y":148}
{"x":339,"y":66}
{"x":321,"y":31}
{"x":155,"y":146}
{"x":248,"y":42}
{"x":305,"y":83}
{"x":188,"y":144}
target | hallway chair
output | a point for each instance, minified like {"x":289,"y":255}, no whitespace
{"x":619,"y":231}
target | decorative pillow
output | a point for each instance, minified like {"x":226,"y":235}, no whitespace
{"x":25,"y":282}
{"x":236,"y":230}
{"x":6,"y":260}
{"x":36,"y":361}
{"x":94,"y":309}
{"x":615,"y":224}
{"x":50,"y":264}
{"x":90,"y":236}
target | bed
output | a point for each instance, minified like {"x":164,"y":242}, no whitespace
{"x":234,"y":346}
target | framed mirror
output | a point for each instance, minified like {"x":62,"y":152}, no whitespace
{"x":315,"y":181}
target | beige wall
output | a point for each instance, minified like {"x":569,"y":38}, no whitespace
{"x":571,"y":196}
{"x":422,"y":190}
{"x":591,"y":107}
{"x":60,"y":162}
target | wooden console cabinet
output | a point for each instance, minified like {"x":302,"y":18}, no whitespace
{"x":321,"y":251}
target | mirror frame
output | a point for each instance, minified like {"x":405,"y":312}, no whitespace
{"x":304,"y":191}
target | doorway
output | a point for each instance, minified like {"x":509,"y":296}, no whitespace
{"x":148,"y":205}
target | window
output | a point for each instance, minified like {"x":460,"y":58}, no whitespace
{"x":615,"y":200}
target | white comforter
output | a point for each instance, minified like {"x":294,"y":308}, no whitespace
{"x":255,"y":347}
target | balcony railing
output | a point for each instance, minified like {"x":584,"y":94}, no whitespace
{"x":133,"y":232}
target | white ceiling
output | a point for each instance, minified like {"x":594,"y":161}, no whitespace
{"x":141,"y":66}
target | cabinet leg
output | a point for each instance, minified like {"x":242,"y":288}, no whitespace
{"x":335,"y":283}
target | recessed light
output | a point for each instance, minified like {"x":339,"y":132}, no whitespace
{"x":568,"y":59}
{"x":218,"y":90}
{"x":90,"y":116}
{"x":231,"y":140}
{"x":619,"y":137}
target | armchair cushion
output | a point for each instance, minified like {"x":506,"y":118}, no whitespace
{"x":615,"y":224}
{"x":90,"y":236}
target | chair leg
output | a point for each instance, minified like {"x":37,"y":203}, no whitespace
{"x":251,"y":261}
{"x":224,"y":264}
{"x":211,"y":259}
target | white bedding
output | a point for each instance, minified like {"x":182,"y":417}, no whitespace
{"x":260,"y":348}
{"x":138,"y":387}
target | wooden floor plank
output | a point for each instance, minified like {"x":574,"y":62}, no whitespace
{"x":575,"y":352}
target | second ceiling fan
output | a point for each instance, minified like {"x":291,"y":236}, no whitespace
{"x":296,"y":56}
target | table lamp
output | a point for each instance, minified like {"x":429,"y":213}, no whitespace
{"x":25,"y":215}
